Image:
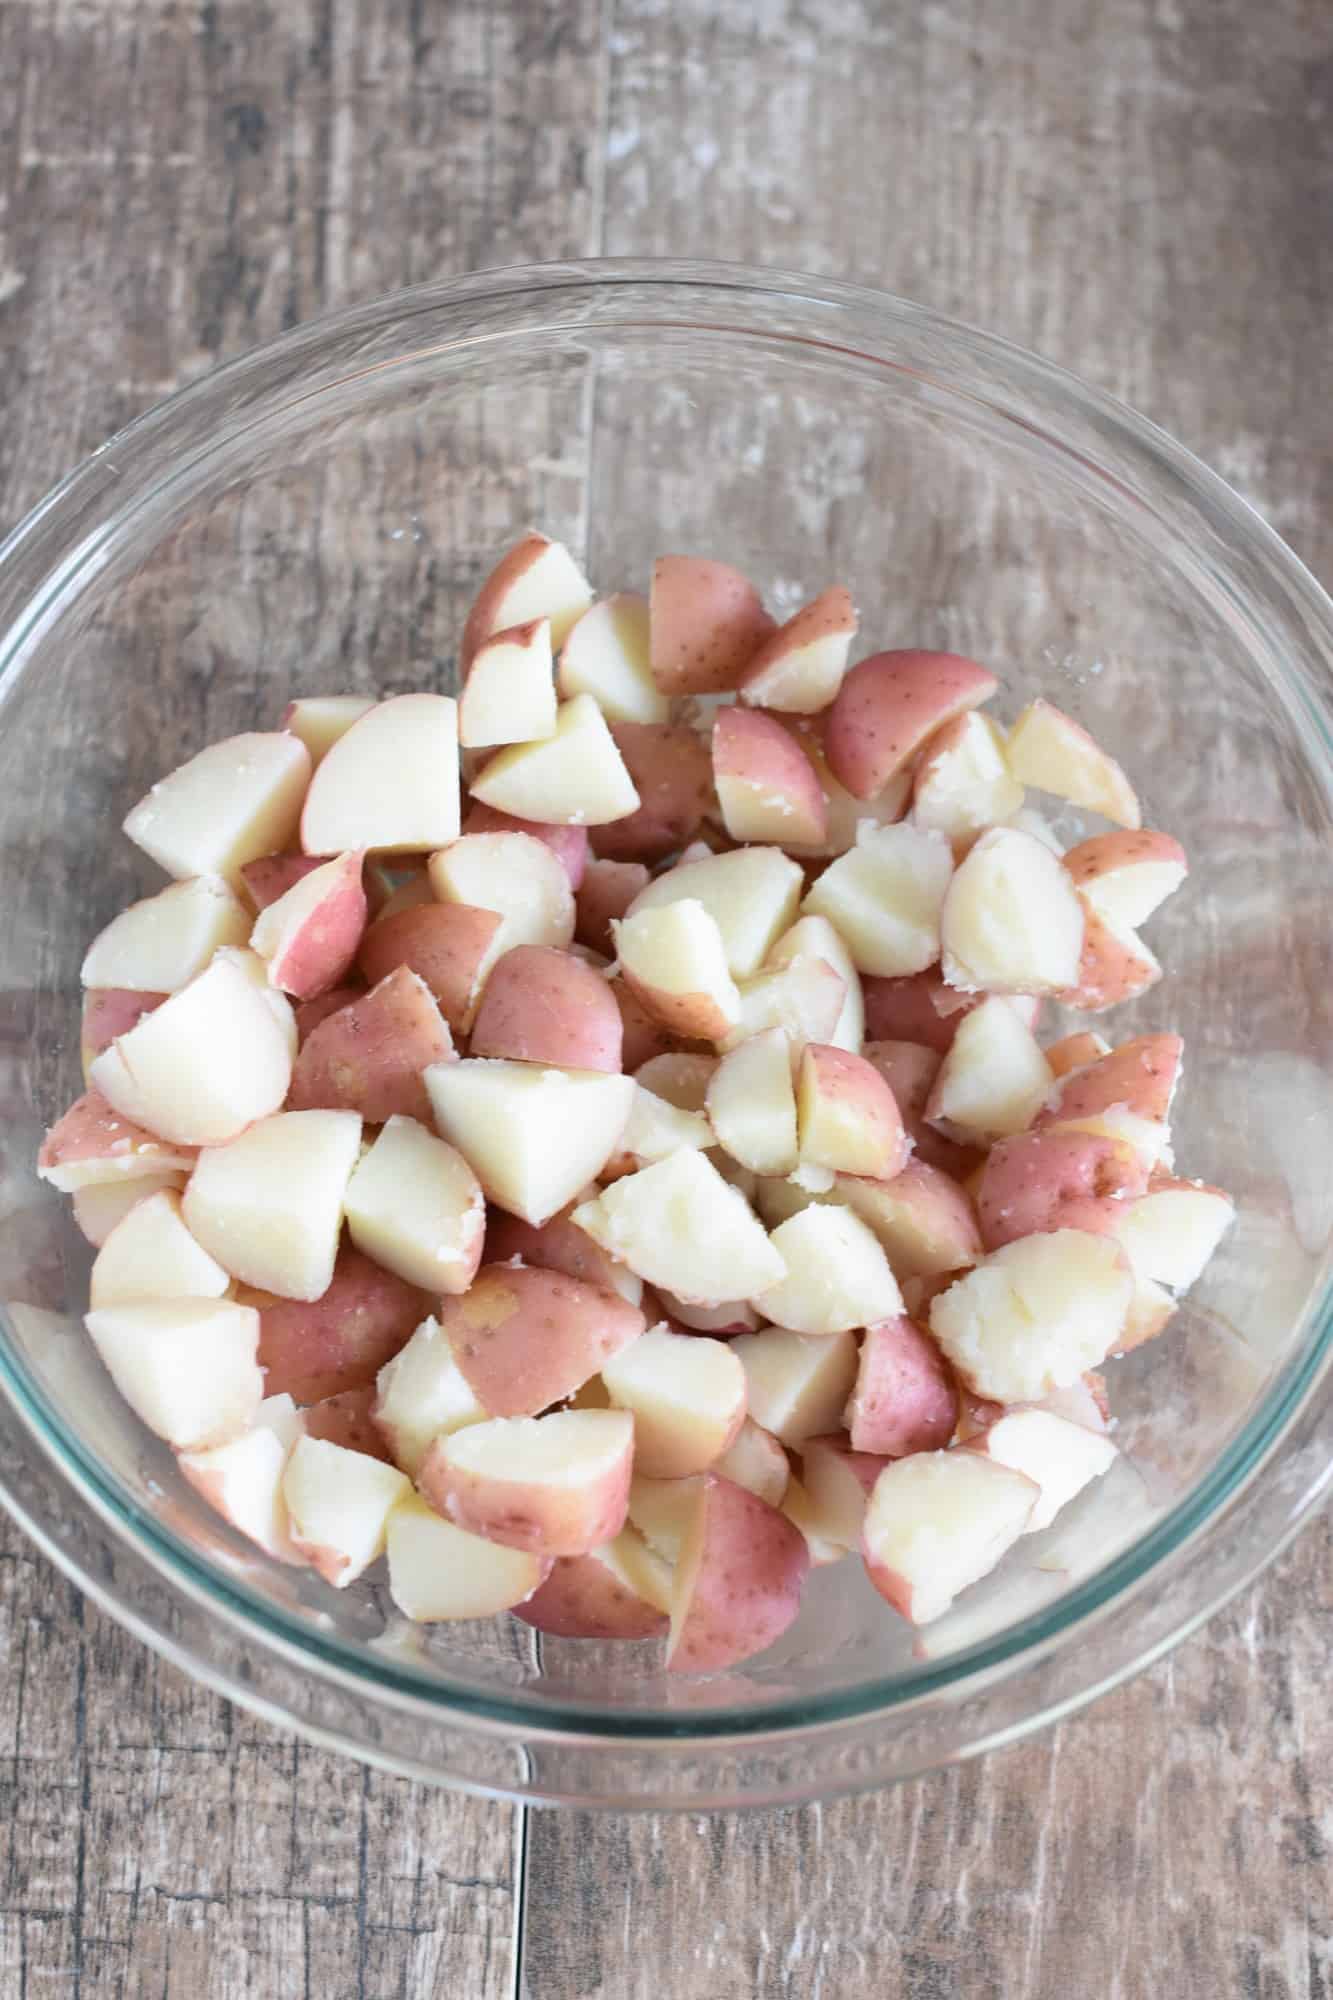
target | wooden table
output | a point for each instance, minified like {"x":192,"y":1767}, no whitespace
{"x":1140,"y":189}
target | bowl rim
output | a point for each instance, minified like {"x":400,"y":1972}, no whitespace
{"x":1234,"y":1470}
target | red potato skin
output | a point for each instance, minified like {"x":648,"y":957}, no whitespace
{"x":1074,"y":1052}
{"x":829,"y":613}
{"x":1111,"y":969}
{"x":681,"y":1015}
{"x":443,"y":943}
{"x":580,"y":1599}
{"x":607,"y":890}
{"x":502,"y":1510}
{"x":1108,"y":853}
{"x":917,"y":1007}
{"x":309,"y":1013}
{"x":369,"y":1056}
{"x":951,"y":1222}
{"x":905,"y":1398}
{"x":91,"y":1130}
{"x":569,"y":844}
{"x":108,"y":1013}
{"x":642,"y":1035}
{"x":889,"y":705}
{"x":756,"y":750}
{"x":542,"y":1005}
{"x":526,"y":1338}
{"x":910,"y":1071}
{"x":706,"y":623}
{"x":1140,"y":1075}
{"x":322,"y":950}
{"x":839,"y":1076}
{"x":480,"y":619}
{"x":672,"y":772}
{"x":752,"y":1570}
{"x":1044,"y":1180}
{"x":312,"y":1352}
{"x":268,"y":879}
{"x":345,"y":1419}
{"x":557,"y":1245}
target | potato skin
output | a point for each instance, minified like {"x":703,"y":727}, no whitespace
{"x":889,"y":704}
{"x":906,"y":1398}
{"x":1044,"y":1180}
{"x":582,"y":1599}
{"x":370,"y":1055}
{"x":526,"y":1338}
{"x":342,"y":1340}
{"x":672,"y":772}
{"x":443,"y":943}
{"x":751,"y":1570}
{"x":706,"y":625}
{"x":545,"y":1005}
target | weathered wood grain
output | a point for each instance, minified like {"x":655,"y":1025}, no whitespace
{"x":1141,"y":190}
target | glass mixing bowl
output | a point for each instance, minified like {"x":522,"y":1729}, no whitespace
{"x":313,"y":519}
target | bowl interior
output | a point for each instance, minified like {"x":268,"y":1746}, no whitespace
{"x":322,"y":527}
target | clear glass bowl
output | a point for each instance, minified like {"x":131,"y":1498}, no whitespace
{"x":314,"y":518}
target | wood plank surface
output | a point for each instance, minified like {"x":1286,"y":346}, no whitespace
{"x":1142,"y":189}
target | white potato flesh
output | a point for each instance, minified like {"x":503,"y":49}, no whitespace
{"x":606,"y":656}
{"x":515,"y":875}
{"x":1012,"y":921}
{"x":837,"y":1275}
{"x":161,"y":943}
{"x":677,"y":1223}
{"x":661,"y":1510}
{"x":100,"y":1207}
{"x":269,"y":1206}
{"x":242,"y":1479}
{"x":797,"y":1383}
{"x":804,"y":998}
{"x":801,"y":1509}
{"x":816,"y":937}
{"x":1036,"y":1315}
{"x":1060,"y":1457}
{"x":438,"y":1571}
{"x":534,"y":1136}
{"x":509,"y":693}
{"x":1053,"y":753}
{"x":752,"y":1104}
{"x":751,"y":895}
{"x":151,"y":1254}
{"x":232,"y":803}
{"x":675,"y":959}
{"x":686,"y":1394}
{"x":422,"y":1394}
{"x":938,"y":1522}
{"x":319,"y":720}
{"x":574,"y":777}
{"x":338,"y":1504}
{"x":963,"y":783}
{"x":537,"y":578}
{"x":415,"y":1206}
{"x":756,"y":1460}
{"x":390,"y":785}
{"x":1170,"y":1233}
{"x":186,"y":1367}
{"x":207,"y":1062}
{"x":884,"y":897}
{"x":656,"y":1128}
{"x":993,"y":1079}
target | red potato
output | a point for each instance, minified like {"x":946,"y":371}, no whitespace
{"x":537,"y":578}
{"x":1036,"y":1315}
{"x":524,"y":1339}
{"x":1150,"y":1309}
{"x":751,"y":895}
{"x":620,"y":1591}
{"x":1073,"y":1052}
{"x":752,"y":1103}
{"x":706,"y":623}
{"x":1114,"y":965}
{"x":535,"y":1136}
{"x":559,"y":1245}
{"x":447,"y":945}
{"x":919,"y":1294}
{"x":267,"y":880}
{"x":849,"y":1119}
{"x":1083,"y":1402}
{"x":310,"y":1013}
{"x":653,"y":1130}
{"x":1125,"y":875}
{"x":674,"y":961}
{"x":670,"y":770}
{"x":1053,"y":753}
{"x":729,"y":1317}
{"x":608,"y":656}
{"x":801,"y":1511}
{"x":150,"y":1254}
{"x":209,"y":1061}
{"x":994,"y":1079}
{"x":1012,"y":921}
{"x":515,"y":875}
{"x":839,"y":1482}
{"x":923,"y":1221}
{"x":308,"y":938}
{"x":890,"y":705}
{"x":799,"y":668}
{"x":885,"y":897}
{"x":1141,"y":1075}
{"x":643,"y":1038}
{"x":339,"y":1503}
{"x":845,"y":813}
{"x":686,"y":1394}
{"x":962,"y":783}
{"x":910,"y":1072}
{"x":816,"y":937}
{"x":160,"y":944}
{"x":556,"y":1485}
{"x":756,"y":1460}
{"x":574,"y":777}
{"x":414,"y":1205}
{"x":108,"y":1013}
{"x":1044,"y":1180}
{"x":438,"y":1572}
{"x":390,"y":785}
{"x":1058,"y":1456}
{"x":99,"y":1208}
{"x":92,"y":1145}
{"x":390,"y":891}
{"x":737,"y":1584}
{"x":186,"y":1367}
{"x":319,"y":720}
{"x":938,"y":1522}
{"x":420,"y":1394}
{"x":242,"y":1479}
{"x":347,"y":1420}
{"x":509,"y":693}
{"x":678,"y":1224}
{"x":804,"y":999}
{"x":923,"y":1008}
{"x":905,"y":1398}
{"x":681,"y":1077}
{"x":231,"y":803}
{"x":766,"y":785}
{"x":546,"y":1006}
{"x":342,"y":1340}
{"x":837,"y":1274}
{"x":1171,"y":1230}
{"x":1143,"y":1136}
{"x":606,"y":891}
{"x":569,"y":844}
{"x":371,"y":1056}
